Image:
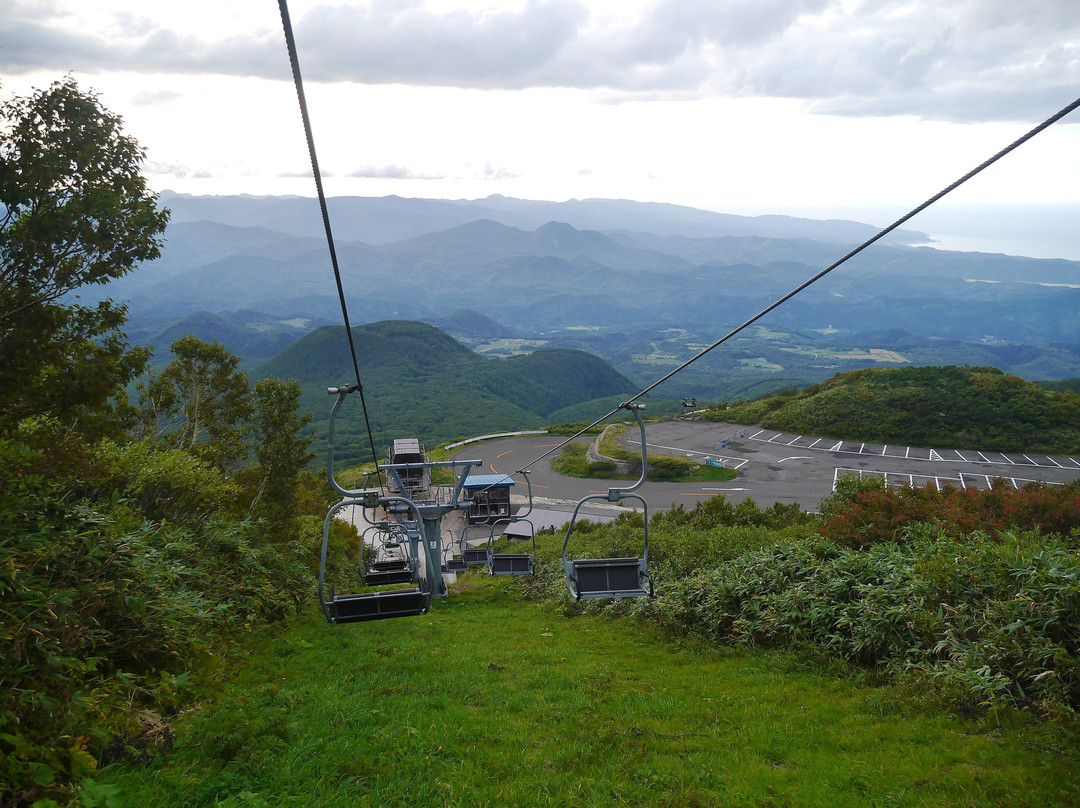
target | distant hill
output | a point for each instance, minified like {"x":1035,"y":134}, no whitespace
{"x":382,"y":220}
{"x":951,"y":407}
{"x":251,"y":335}
{"x":418,"y":382}
{"x":1065,"y":385}
{"x":472,"y":324}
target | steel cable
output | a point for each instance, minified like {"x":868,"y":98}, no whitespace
{"x":914,"y":211}
{"x":298,"y":81}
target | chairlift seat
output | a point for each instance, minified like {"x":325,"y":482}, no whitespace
{"x":511,"y":564}
{"x":390,"y":564}
{"x":476,"y":555}
{"x":609,"y":578}
{"x":375,"y":605}
{"x":385,"y":577}
{"x":456,"y":564}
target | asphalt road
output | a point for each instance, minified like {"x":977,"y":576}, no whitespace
{"x":772,"y":466}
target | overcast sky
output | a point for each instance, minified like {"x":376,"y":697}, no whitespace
{"x":837,"y":106}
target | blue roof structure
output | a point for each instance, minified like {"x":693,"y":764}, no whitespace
{"x":489,"y":481}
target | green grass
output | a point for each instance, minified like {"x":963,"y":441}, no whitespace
{"x":572,"y":462}
{"x":492,"y":700}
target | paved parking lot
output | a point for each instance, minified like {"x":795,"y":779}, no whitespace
{"x":775,"y":466}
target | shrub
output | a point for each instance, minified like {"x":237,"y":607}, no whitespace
{"x":860,"y":513}
{"x":101,"y":616}
{"x":164,"y":484}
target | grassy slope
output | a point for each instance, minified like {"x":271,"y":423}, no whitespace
{"x":491,"y":700}
{"x":955,"y":407}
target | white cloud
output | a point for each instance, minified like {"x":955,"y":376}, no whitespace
{"x":156,"y":97}
{"x":741,"y":105}
{"x":961,"y":60}
{"x":490,"y":172}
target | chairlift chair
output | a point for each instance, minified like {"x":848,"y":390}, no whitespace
{"x":379,"y":605}
{"x":514,"y":563}
{"x":356,"y":607}
{"x":455,"y":563}
{"x":594,"y":578}
{"x":476,"y":554}
{"x":390,"y":561}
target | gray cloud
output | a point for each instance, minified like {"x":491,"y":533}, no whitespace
{"x":156,"y":168}
{"x":960,"y":60}
{"x":490,"y":172}
{"x":392,"y":172}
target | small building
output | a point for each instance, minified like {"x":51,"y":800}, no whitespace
{"x":415,"y":478}
{"x":490,"y":494}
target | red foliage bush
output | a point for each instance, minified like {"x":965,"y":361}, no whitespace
{"x":880,"y":515}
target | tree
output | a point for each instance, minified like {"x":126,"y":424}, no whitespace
{"x":280,"y":451}
{"x":74,"y":210}
{"x":199,"y":402}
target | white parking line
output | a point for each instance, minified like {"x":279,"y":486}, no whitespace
{"x":911,"y":453}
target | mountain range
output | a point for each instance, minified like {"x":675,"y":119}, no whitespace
{"x":642,"y":285}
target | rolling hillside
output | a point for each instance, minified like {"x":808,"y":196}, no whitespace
{"x":419,"y":382}
{"x":960,"y":407}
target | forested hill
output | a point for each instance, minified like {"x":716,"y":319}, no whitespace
{"x":955,"y":407}
{"x":419,"y":382}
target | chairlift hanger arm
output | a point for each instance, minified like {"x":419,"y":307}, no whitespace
{"x":367,"y":494}
{"x":615,"y":494}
